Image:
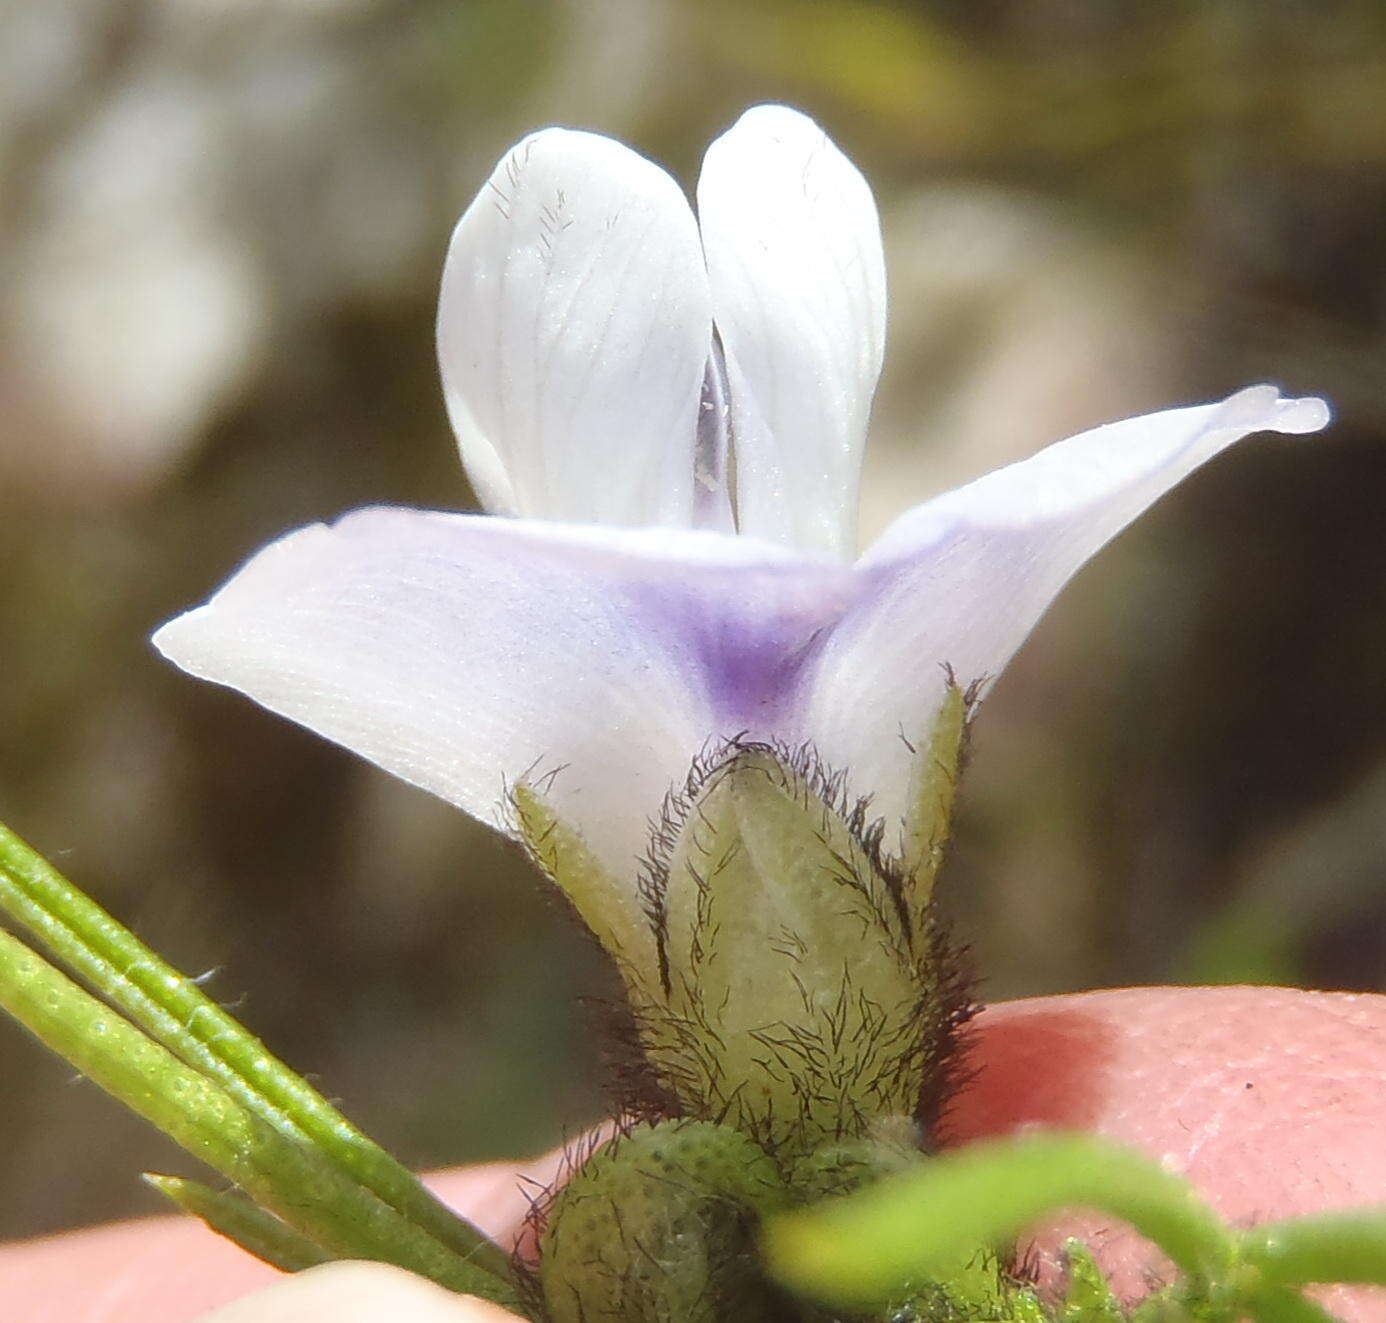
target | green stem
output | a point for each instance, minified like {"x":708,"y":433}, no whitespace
{"x":1342,"y":1247}
{"x":932,"y":1221}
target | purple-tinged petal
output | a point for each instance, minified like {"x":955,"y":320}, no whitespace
{"x":463,"y":653}
{"x":961,"y":580}
{"x":574,"y":329}
{"x":797,"y":272}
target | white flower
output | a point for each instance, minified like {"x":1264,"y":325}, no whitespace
{"x":686,"y":401}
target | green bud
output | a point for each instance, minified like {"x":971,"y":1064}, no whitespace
{"x":803,"y":1001}
{"x":658,"y":1227}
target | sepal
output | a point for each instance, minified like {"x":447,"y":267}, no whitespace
{"x":802,"y":1000}
{"x":611,"y":909}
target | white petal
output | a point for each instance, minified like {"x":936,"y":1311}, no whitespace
{"x":462,"y":653}
{"x":574,"y":328}
{"x":961,"y":580}
{"x":793,"y":248}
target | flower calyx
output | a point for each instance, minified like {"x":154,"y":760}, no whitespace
{"x":787,"y":977}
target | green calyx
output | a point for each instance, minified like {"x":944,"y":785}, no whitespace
{"x":843,"y":1166}
{"x":793,"y":1001}
{"x":786,"y":976}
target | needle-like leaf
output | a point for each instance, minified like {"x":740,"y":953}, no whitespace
{"x":235,"y":1217}
{"x":176,"y":1012}
{"x":289,"y":1178}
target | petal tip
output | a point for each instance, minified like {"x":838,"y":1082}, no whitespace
{"x":174,"y":639}
{"x":1307,"y":414}
{"x":773,"y":115}
{"x":1263,"y":408}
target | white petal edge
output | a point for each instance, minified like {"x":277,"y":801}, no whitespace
{"x":574,"y":328}
{"x":793,"y":245}
{"x":463,"y":653}
{"x":962,"y":580}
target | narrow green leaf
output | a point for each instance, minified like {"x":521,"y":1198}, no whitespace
{"x":1282,"y":1305}
{"x":254,"y":1230}
{"x":1341,"y":1247}
{"x":933,"y":1221}
{"x":188,"y":1108}
{"x":175,"y":1011}
{"x":286,"y":1177}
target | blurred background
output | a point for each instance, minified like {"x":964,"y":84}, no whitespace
{"x":222,"y":226}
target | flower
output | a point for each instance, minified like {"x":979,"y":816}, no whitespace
{"x":671,"y":414}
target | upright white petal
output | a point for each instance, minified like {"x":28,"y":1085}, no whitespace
{"x":574,"y":330}
{"x":961,"y":580}
{"x":462,"y":653}
{"x":794,"y":256}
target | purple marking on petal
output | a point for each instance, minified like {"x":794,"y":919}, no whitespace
{"x":744,"y":634}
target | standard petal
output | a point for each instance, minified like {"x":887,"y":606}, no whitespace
{"x":794,"y":256}
{"x":463,"y":653}
{"x":574,"y":329}
{"x":961,"y":580}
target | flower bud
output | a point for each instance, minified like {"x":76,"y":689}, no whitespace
{"x":659,"y":1224}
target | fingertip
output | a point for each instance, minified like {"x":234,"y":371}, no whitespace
{"x":357,"y":1292}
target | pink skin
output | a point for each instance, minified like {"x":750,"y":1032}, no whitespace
{"x":1164,"y":1069}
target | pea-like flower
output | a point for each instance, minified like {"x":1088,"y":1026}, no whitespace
{"x":667,"y":416}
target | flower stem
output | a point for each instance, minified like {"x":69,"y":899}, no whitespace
{"x":1340,"y":1247}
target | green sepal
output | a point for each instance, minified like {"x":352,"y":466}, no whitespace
{"x":658,"y":1225}
{"x":610,"y":907}
{"x":792,"y":997}
{"x":1169,"y":1306}
{"x":249,"y":1226}
{"x":933,"y":788}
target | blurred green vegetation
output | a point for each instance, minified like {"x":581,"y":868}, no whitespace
{"x":223,"y":225}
